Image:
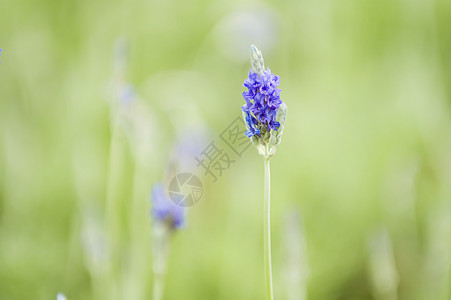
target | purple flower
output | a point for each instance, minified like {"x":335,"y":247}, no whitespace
{"x":262,"y":102}
{"x":164,"y":210}
{"x":264,"y":113}
{"x":251,"y":122}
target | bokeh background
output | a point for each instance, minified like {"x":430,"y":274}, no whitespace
{"x":96,"y":95}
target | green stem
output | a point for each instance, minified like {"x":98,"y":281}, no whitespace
{"x":112,"y":211}
{"x":160,"y":257}
{"x":158,"y":284}
{"x":267,"y":232}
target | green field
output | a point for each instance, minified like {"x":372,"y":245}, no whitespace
{"x":361,"y":193}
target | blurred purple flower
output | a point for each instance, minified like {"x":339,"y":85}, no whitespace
{"x":164,"y":210}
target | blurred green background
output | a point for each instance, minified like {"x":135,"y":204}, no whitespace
{"x":360,"y":184}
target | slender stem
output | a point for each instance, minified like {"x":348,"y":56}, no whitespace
{"x":112,"y":210}
{"x":158,"y":284}
{"x":267,"y":232}
{"x":160,"y":257}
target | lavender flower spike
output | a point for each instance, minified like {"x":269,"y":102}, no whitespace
{"x":164,"y":210}
{"x":264,"y":115}
{"x":264,"y":112}
{"x":167,"y":218}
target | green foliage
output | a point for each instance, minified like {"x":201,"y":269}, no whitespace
{"x":366,"y":146}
